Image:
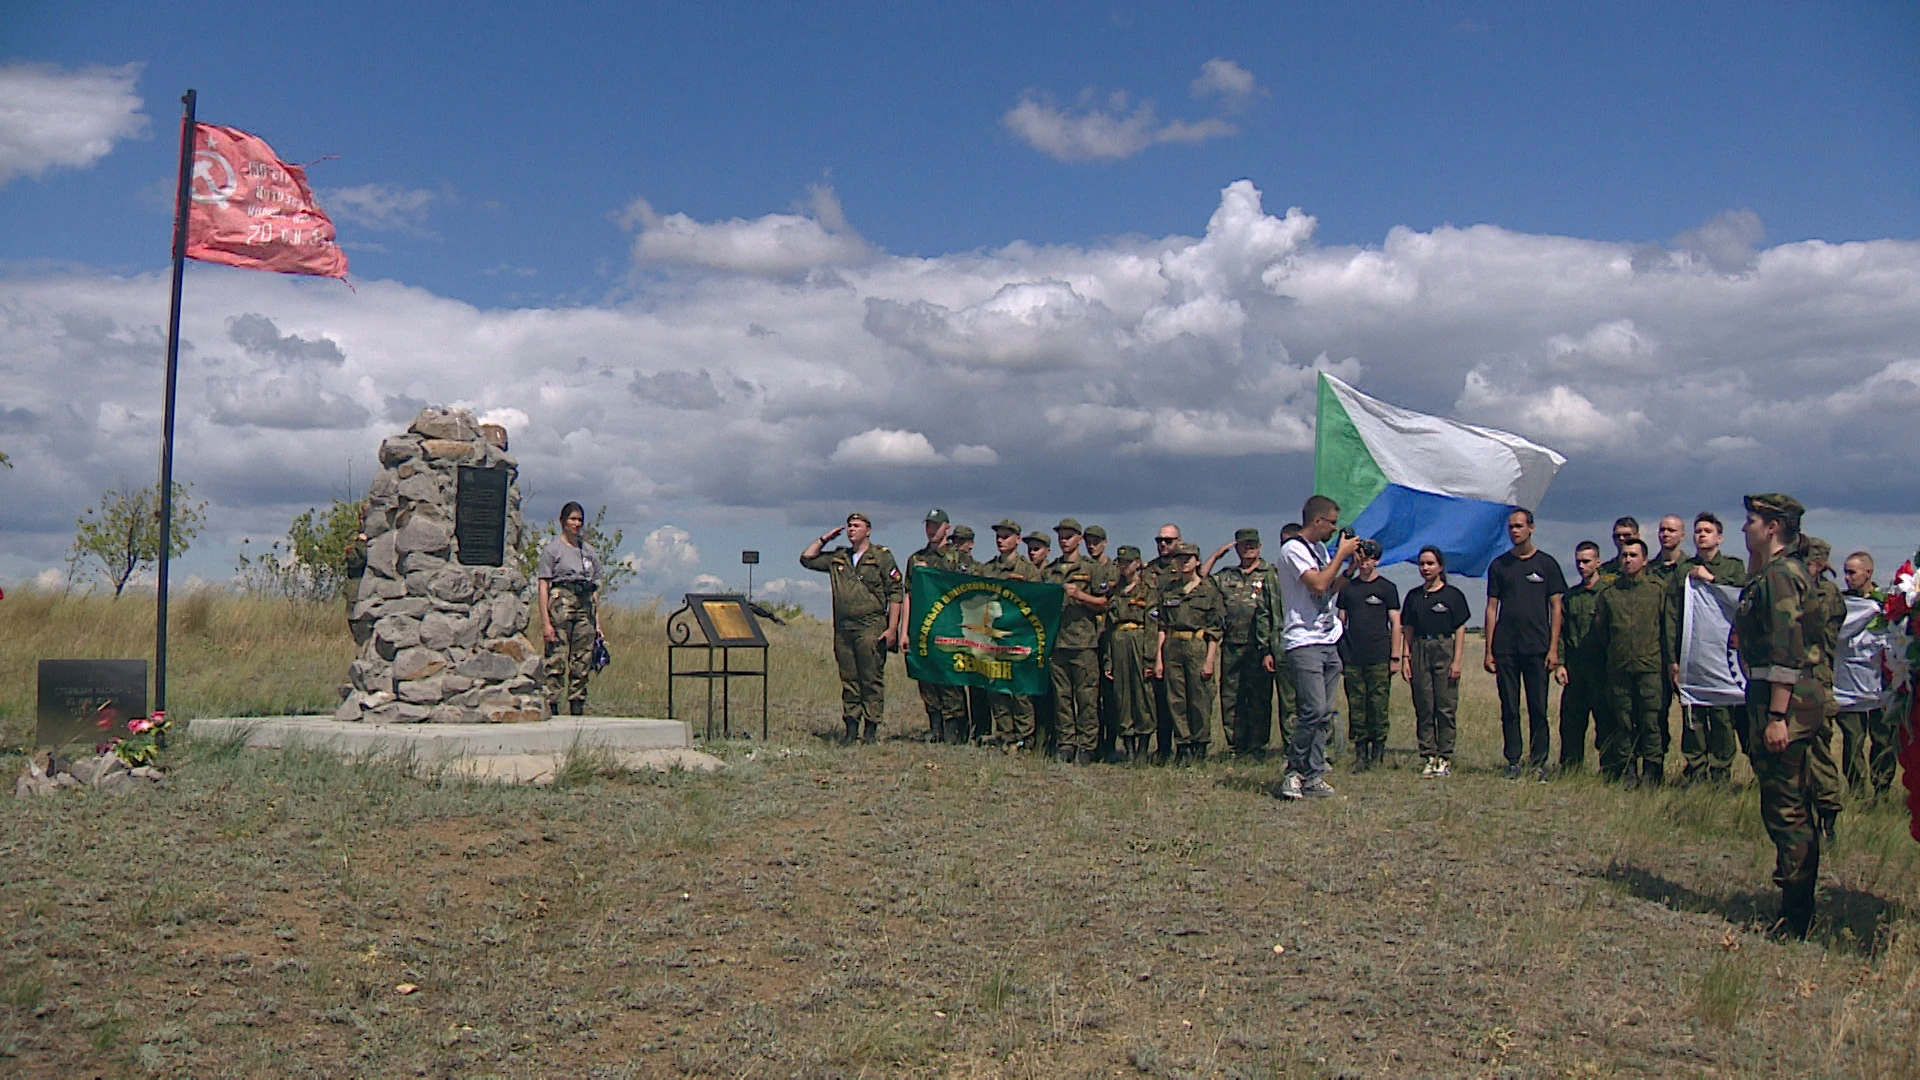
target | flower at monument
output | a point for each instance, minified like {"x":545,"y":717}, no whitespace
{"x":146,"y":736}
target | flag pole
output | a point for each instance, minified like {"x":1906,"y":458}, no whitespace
{"x":182,"y":199}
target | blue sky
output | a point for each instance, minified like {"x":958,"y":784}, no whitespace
{"x":997,"y":173}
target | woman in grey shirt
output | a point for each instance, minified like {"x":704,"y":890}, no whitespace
{"x":569,"y":573}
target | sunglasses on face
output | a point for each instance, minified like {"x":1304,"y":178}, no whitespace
{"x":1166,"y":539}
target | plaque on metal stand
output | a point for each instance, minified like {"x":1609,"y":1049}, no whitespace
{"x":726,"y":624}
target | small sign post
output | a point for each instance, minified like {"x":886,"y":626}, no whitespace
{"x":751,"y":559}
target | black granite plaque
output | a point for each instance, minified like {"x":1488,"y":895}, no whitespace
{"x":89,"y":701}
{"x":480,"y":516}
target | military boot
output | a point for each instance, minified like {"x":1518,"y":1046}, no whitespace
{"x":1796,"y":911}
{"x":1083,"y":756}
{"x":957,"y":730}
{"x":853,"y":731}
{"x":871,"y":734}
{"x":1652,"y":773}
{"x":577,"y":707}
{"x":1829,"y":821}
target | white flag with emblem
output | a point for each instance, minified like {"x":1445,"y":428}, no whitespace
{"x":1709,"y":665}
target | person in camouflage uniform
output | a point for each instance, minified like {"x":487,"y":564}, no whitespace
{"x":1191,"y":616}
{"x":1095,"y":538}
{"x":568,"y":572}
{"x":1012,"y":713}
{"x":980,"y":716}
{"x":1832,"y":608}
{"x":869,"y":608}
{"x":1626,"y":623}
{"x":1159,"y":571}
{"x":1789,"y":696}
{"x":1624,"y":529}
{"x":1369,"y":605}
{"x":1076,"y":646}
{"x":1246,"y":653}
{"x":1708,"y":733}
{"x":946,"y":705}
{"x":1583,"y":663}
{"x":1667,"y":563}
{"x":1129,"y":656}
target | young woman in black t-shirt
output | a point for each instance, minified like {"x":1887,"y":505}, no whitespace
{"x":1433,"y":622}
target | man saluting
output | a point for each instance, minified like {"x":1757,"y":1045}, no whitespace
{"x":869,"y":603}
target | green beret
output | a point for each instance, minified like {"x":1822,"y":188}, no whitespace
{"x":936,"y":516}
{"x":1067,"y":525}
{"x":1006,"y":525}
{"x":1095,"y":532}
{"x":1246,"y":536}
{"x":962,"y":532}
{"x":1036,"y":538}
{"x":1774,"y":504}
{"x":858,"y":516}
{"x":1819,"y":550}
{"x":1128,"y":553}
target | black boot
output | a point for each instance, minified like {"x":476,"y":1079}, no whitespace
{"x":1829,"y":820}
{"x":1796,"y":911}
{"x":1652,"y":773}
{"x":1083,"y":756}
{"x":957,"y":731}
{"x":1199,"y":752}
{"x":577,"y":707}
{"x":871,"y":734}
{"x":853,"y":731}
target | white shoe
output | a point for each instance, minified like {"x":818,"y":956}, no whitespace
{"x":1432,"y":767}
{"x":1440,"y":767}
{"x":1290,"y":788}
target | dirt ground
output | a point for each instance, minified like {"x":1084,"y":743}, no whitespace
{"x":907,"y":910}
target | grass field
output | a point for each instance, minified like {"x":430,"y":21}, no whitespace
{"x":897,"y":910}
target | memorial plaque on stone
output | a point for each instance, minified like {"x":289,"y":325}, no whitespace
{"x":89,"y":701}
{"x":480,"y":516}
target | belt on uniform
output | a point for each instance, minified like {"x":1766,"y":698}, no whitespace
{"x":1186,"y":635}
{"x":578,"y":588}
{"x":1129,"y":626}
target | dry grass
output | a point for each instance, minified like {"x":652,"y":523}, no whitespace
{"x":909,"y":910}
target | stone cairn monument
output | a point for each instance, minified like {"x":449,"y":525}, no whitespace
{"x":439,"y":613}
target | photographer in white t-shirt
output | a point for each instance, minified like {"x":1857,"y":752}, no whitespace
{"x":1310,"y":582}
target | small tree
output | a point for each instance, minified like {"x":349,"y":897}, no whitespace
{"x":311,"y":563}
{"x":614,"y":572}
{"x":121,"y":536}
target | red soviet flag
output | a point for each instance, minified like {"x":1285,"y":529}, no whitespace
{"x":252,"y":210}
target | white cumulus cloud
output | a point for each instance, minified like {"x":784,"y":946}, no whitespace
{"x":1226,"y":80}
{"x":816,"y":236}
{"x":54,"y":118}
{"x":1110,"y":127}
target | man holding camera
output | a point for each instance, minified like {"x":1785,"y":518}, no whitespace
{"x":1310,"y":583}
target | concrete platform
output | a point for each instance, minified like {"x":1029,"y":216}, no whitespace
{"x":441,"y":742}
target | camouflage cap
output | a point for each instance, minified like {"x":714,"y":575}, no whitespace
{"x":1036,"y":538}
{"x":936,"y":516}
{"x":1067,"y":525}
{"x":1246,"y":536}
{"x":1094,"y":532}
{"x":1127,"y":553}
{"x":1774,"y":504}
{"x":858,"y":515}
{"x":962,"y":532}
{"x":1819,"y":550}
{"x":1185,"y":548}
{"x":1007,"y":525}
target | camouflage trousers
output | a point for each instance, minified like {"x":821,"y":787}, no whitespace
{"x":1708,"y":739}
{"x":1076,"y":696}
{"x":1129,"y":659}
{"x":1190,"y":695}
{"x":1636,"y":715}
{"x":1368,"y":688}
{"x":1012,"y":718}
{"x":1827,"y":785}
{"x":570,"y":656}
{"x":1246,"y":698}
{"x":1435,"y":696}
{"x":862,"y":660}
{"x":1870,"y":749}
{"x":1582,"y":701}
{"x":946,"y":711}
{"x":1786,"y":797}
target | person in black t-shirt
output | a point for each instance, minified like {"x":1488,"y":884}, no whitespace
{"x":1370,"y":606}
{"x":1524,"y":590}
{"x":1433,"y":633}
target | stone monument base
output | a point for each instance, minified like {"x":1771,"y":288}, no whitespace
{"x":437,"y":743}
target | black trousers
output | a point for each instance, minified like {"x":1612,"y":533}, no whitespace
{"x":1514,"y":673}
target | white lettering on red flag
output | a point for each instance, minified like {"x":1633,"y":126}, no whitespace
{"x":252,"y":210}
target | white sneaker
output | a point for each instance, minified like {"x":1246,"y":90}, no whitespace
{"x":1440,"y":767}
{"x":1432,"y":767}
{"x":1290,"y":787}
{"x":1317,"y":788}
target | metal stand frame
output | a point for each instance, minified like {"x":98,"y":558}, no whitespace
{"x":681,"y":629}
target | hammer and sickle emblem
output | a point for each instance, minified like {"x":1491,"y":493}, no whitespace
{"x":214,"y":180}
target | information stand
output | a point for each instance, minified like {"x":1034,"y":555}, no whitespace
{"x":725,"y":624}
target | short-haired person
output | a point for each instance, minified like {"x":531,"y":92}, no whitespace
{"x":946,"y":705}
{"x":1310,"y":583}
{"x":1013,"y":724}
{"x":1583,"y":663}
{"x":979,"y":716}
{"x":1191,"y":617}
{"x":569,"y":575}
{"x":1827,"y":784}
{"x":1662,"y":567}
{"x":1370,"y":607}
{"x":1246,"y":655}
{"x":1624,"y":529}
{"x":1046,"y":718}
{"x":1789,"y":696}
{"x":1869,"y":739}
{"x":869,"y":610}
{"x":1626,"y":620}
{"x":1159,"y":571}
{"x":1088,"y":584}
{"x":1524,"y":590}
{"x":1129,"y":656}
{"x":1433,"y":628}
{"x":1708,"y":733}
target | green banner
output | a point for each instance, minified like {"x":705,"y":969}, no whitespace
{"x":964,"y":630}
